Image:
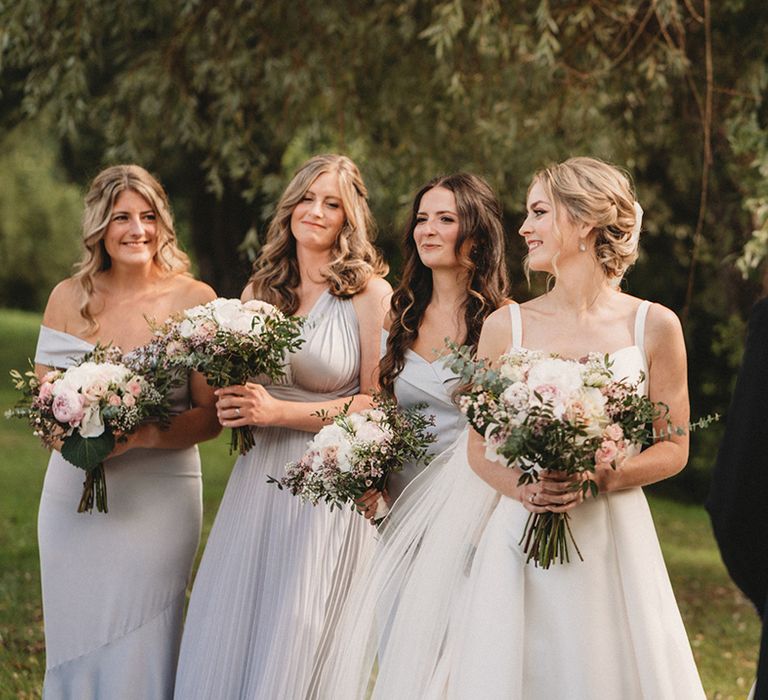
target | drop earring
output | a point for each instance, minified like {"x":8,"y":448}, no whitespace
{"x":582,"y":247}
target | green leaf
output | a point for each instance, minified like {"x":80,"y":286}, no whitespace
{"x":87,"y":453}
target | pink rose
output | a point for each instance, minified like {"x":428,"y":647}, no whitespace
{"x":95,"y":391}
{"x":45,"y":393}
{"x":607,"y":452}
{"x":614,"y":432}
{"x":129,"y":400}
{"x":113,"y":400}
{"x":68,"y":406}
{"x":134,"y":386}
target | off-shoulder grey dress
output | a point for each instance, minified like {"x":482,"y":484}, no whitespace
{"x":275,"y":570}
{"x":422,"y":381}
{"x":114,"y":583}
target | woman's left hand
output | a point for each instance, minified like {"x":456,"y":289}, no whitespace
{"x":554,"y":492}
{"x":247,"y":404}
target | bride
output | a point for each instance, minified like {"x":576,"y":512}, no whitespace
{"x":450,"y":609}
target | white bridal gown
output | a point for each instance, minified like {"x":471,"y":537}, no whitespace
{"x":114,"y":583}
{"x":457,"y":613}
{"x":275,"y":571}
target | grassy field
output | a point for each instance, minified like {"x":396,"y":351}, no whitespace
{"x":722,"y":626}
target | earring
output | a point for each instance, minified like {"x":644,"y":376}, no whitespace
{"x":582,"y":247}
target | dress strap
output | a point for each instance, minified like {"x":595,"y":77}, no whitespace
{"x":517,"y":325}
{"x":640,"y":316}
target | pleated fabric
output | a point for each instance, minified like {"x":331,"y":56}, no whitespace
{"x":114,"y":583}
{"x":275,"y":572}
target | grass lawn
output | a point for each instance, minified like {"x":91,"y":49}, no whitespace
{"x":722,"y":626}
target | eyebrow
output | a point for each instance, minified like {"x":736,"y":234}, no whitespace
{"x":537,"y":202}
{"x":443,"y":211}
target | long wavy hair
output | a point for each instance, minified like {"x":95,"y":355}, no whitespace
{"x":480,"y":249}
{"x":595,"y":192}
{"x":354,"y":258}
{"x":99,"y":204}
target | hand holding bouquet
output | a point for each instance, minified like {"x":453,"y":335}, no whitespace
{"x":230,"y":341}
{"x":357,"y":452}
{"x":85,"y":408}
{"x":539,"y":412}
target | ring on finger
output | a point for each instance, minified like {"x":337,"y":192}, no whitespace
{"x":531,"y":498}
{"x":237,"y":411}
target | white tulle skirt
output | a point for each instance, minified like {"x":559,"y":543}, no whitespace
{"x":450,"y":609}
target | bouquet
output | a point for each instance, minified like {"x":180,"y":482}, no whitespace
{"x":230,"y":341}
{"x":357,"y":452}
{"x":540,"y":412}
{"x":86,"y":408}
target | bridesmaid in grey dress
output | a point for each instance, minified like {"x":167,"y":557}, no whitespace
{"x":114,"y":583}
{"x":454,"y":276}
{"x":275,"y":570}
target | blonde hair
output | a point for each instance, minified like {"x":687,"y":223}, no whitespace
{"x":99,"y":204}
{"x":354,"y":258}
{"x":596,"y":193}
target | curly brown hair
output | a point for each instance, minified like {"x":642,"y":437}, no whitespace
{"x":480,"y":225}
{"x":354,"y":258}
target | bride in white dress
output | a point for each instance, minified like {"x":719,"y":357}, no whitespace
{"x":453,"y":610}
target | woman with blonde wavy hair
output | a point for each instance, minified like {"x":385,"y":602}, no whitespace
{"x":451,"y":608}
{"x":114,"y":583}
{"x":275,"y":570}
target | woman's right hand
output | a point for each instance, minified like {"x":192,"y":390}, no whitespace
{"x":370,"y":503}
{"x":554,"y":492}
{"x":247,"y":404}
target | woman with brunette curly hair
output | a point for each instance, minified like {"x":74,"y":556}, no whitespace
{"x":454,"y":276}
{"x":114,"y":584}
{"x":275,"y":567}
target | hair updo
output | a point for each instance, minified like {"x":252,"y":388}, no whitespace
{"x":597,"y":193}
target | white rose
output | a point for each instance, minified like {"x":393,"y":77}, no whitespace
{"x":516,"y":395}
{"x":186,"y":328}
{"x":595,"y":418}
{"x":371,"y":431}
{"x":563,"y":374}
{"x":92,"y":424}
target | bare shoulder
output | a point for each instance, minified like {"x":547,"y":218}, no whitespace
{"x":63,"y":305}
{"x":662,"y":324}
{"x":190,"y":292}
{"x":374,"y":298}
{"x":496,"y":335}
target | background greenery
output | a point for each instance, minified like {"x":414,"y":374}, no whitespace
{"x":222,"y":100}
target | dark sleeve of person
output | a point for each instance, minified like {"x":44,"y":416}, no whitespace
{"x":738,"y":498}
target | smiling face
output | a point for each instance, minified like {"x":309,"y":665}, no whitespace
{"x":319,"y":216}
{"x":131,"y":235}
{"x":550,"y":235}
{"x":437,"y":229}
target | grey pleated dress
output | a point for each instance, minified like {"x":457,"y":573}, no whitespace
{"x":114,"y":583}
{"x":430,"y":382}
{"x":275,"y":570}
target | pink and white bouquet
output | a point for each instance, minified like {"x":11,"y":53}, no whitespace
{"x":84,"y":409}
{"x":230,"y":342}
{"x":540,"y":412}
{"x":357,"y":452}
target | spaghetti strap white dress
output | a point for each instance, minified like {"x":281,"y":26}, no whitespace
{"x":114,"y":583}
{"x":605,"y":627}
{"x":275,"y":571}
{"x":450,"y":609}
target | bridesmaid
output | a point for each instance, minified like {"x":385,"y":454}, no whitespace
{"x":453,"y":277}
{"x":114,"y":584}
{"x":275,"y":569}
